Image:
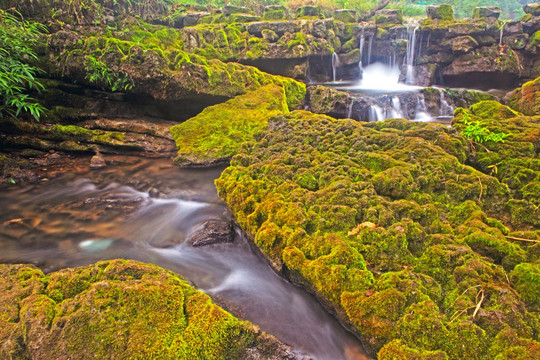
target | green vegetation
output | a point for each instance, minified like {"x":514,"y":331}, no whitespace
{"x":98,"y":72}
{"x":17,"y":74}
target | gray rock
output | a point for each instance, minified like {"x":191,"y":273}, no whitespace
{"x":213,"y":232}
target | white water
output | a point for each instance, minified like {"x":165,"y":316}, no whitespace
{"x":370,"y":44}
{"x":361,"y":47}
{"x":380,"y":77}
{"x":335,"y":62}
{"x":350,"y":109}
{"x":445,"y":109}
{"x":411,"y":43}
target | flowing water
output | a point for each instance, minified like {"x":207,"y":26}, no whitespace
{"x":145,"y":210}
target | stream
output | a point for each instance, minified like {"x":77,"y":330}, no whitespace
{"x":145,"y":209}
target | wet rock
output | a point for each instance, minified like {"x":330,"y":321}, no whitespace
{"x":97,"y":161}
{"x":483,"y":12}
{"x":213,"y":232}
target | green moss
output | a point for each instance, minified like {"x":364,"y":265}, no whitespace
{"x":308,"y":12}
{"x":526,"y":279}
{"x":383,"y":222}
{"x":127,"y":309}
{"x":396,"y":350}
{"x":218,"y":132}
{"x":444,"y":12}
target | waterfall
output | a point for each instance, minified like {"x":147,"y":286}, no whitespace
{"x":411,"y":34}
{"x":361,"y":46}
{"x":370,"y":43}
{"x":501,"y":34}
{"x":421,"y":109}
{"x":335,"y":61}
{"x":396,"y":108}
{"x":375,"y":113}
{"x":349,"y":110}
{"x":445,"y":109}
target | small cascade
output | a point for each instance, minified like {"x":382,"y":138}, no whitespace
{"x":445,"y":109}
{"x":361,"y":47}
{"x":375,"y":113}
{"x":501,"y":34}
{"x":335,"y":62}
{"x":411,"y":43}
{"x":421,"y":109}
{"x":350,"y":108}
{"x":370,"y":44}
{"x":396,"y":108}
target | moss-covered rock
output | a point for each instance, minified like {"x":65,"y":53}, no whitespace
{"x":346,"y":16}
{"x":388,"y":227}
{"x":151,"y":66}
{"x":486,"y":11}
{"x":526,"y":99}
{"x":504,"y":144}
{"x":114,"y":309}
{"x":217,"y":133}
{"x":443,"y":12}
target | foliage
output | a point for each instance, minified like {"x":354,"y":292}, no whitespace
{"x":475,"y":131}
{"x":17,"y":75}
{"x":98,"y":72}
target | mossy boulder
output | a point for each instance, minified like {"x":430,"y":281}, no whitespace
{"x":308,"y":12}
{"x":217,"y":133}
{"x":275,"y":12}
{"x":526,"y":99}
{"x":533,"y":9}
{"x":389,"y":16}
{"x":389,"y":228}
{"x":483,"y":12}
{"x":504,"y":144}
{"x":114,"y":309}
{"x":346,"y":16}
{"x":443,"y":12}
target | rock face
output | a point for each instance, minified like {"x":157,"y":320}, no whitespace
{"x":408,"y":236}
{"x":118,"y":309}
